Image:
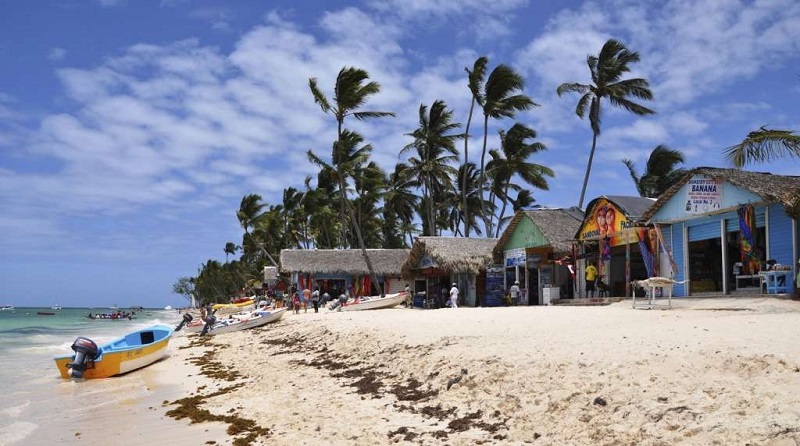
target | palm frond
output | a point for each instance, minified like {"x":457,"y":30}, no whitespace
{"x":763,"y":145}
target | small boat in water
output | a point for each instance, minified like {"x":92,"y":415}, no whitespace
{"x":56,"y":307}
{"x":375,"y":302}
{"x":237,"y":322}
{"x":7,"y":308}
{"x":130,"y":352}
{"x":45,"y":313}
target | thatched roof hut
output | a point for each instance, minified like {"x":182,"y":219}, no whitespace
{"x":783,"y":189}
{"x":451,"y":254}
{"x":558,"y":226}
{"x":385,"y":262}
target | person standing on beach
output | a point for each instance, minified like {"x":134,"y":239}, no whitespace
{"x":306,"y":299}
{"x":409,"y":302}
{"x":591,"y":277}
{"x":514,"y":292}
{"x":453,"y":302}
{"x":296,"y":303}
{"x":315,"y":299}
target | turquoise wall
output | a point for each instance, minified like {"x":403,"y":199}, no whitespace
{"x":675,"y":209}
{"x":526,"y":235}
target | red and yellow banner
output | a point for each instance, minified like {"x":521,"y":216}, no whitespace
{"x":605,"y":219}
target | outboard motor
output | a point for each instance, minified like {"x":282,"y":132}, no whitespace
{"x":85,"y":350}
{"x":186,"y":319}
{"x":210,"y":321}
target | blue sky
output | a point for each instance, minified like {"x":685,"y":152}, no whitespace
{"x":130,"y":130}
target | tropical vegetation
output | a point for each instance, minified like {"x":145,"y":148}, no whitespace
{"x":661,"y":171}
{"x":763,"y":145}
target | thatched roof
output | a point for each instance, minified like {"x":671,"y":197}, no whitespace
{"x":557,"y":225}
{"x":782,"y":189}
{"x":452,"y":254}
{"x":342,"y":261}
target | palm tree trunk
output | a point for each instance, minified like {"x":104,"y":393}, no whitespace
{"x":486,"y":222}
{"x":431,"y":215}
{"x":357,"y":229}
{"x":465,"y":210}
{"x":503,"y":211}
{"x":588,"y":169}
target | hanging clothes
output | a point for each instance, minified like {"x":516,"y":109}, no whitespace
{"x":747,"y":239}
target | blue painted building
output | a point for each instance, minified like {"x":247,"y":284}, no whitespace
{"x":707,"y":244}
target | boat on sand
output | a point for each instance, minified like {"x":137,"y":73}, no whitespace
{"x":375,"y":302}
{"x":130,"y":352}
{"x":238,"y":322}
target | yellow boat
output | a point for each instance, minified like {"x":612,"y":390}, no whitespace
{"x":130,"y":352}
{"x":236,"y":305}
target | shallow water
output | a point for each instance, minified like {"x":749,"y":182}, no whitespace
{"x":35,"y":403}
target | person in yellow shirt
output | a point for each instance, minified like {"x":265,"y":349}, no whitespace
{"x":591,"y":277}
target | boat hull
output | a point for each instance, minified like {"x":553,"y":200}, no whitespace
{"x":376,"y":303}
{"x":117,"y":359}
{"x":244,"y":324}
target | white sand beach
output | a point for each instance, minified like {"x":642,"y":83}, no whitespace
{"x":710,"y":371}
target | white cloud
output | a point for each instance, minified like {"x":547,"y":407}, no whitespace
{"x":57,"y":54}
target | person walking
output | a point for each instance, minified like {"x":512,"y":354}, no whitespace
{"x":514,"y":292}
{"x":591,"y":278}
{"x":315,"y":299}
{"x":453,"y":302}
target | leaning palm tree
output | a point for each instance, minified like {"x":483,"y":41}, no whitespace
{"x":434,"y":143}
{"x":512,"y":159}
{"x":230,"y":249}
{"x":475,"y":78}
{"x":659,"y":174}
{"x":351,"y":92}
{"x":606,"y":71}
{"x":249,"y":211}
{"x":502,"y":98}
{"x":764,"y":145}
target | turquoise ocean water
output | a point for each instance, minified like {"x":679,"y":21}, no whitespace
{"x":36,"y":405}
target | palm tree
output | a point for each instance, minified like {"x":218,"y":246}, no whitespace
{"x":351,"y":92}
{"x":764,"y":145}
{"x":249,"y":211}
{"x":475,"y":81}
{"x":230,"y":248}
{"x":399,"y":204}
{"x":660,"y":172}
{"x":512,"y":160}
{"x":472,"y":190}
{"x":606,"y":71}
{"x":434,"y":143}
{"x":502,"y":98}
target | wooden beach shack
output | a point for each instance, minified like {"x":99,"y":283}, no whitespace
{"x":729,"y":230}
{"x":338,"y":271}
{"x":609,"y":238}
{"x":435,"y":263}
{"x":530,"y":249}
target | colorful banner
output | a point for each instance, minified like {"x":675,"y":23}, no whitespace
{"x":747,"y":239}
{"x":603,"y":220}
{"x":703,"y":195}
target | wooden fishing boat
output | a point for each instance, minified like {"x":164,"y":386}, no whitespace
{"x":375,"y":302}
{"x":45,"y":313}
{"x":130,"y":352}
{"x":241,"y":321}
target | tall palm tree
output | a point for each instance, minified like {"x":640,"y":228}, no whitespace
{"x":351,"y":92}
{"x":659,"y":174}
{"x":249,"y":211}
{"x":475,"y":78}
{"x":434,"y":144}
{"x":502,"y":98}
{"x":230,"y":248}
{"x":512,"y":159}
{"x":764,"y":145}
{"x":399,"y":204}
{"x":606,"y":70}
{"x":472,"y":190}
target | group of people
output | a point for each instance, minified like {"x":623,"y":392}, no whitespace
{"x":449,"y":298}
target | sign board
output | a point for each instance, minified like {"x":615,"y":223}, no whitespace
{"x":703,"y":195}
{"x":427,"y":262}
{"x":603,"y":220}
{"x":270,"y":274}
{"x":515,"y":257}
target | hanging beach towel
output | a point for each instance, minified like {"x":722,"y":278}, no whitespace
{"x":647,"y":256}
{"x":747,"y":239}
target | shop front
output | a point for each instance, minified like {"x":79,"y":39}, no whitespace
{"x":530,"y":251}
{"x":612,"y":240}
{"x":434,"y":264}
{"x":725,"y":229}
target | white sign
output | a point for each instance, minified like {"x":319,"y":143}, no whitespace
{"x":703,"y":195}
{"x":515,"y":257}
